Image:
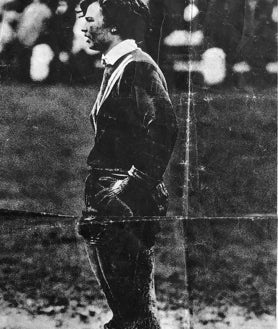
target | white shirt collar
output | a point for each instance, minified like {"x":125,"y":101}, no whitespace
{"x":121,"y":49}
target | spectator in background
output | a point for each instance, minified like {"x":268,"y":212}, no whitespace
{"x":9,"y":18}
{"x":40,"y":34}
{"x":135,"y":131}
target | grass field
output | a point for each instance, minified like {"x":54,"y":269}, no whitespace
{"x":45,"y":137}
{"x":231,"y":269}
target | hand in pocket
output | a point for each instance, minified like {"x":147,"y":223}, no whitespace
{"x":108,"y":199}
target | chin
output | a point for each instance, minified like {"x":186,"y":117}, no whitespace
{"x":93,"y":46}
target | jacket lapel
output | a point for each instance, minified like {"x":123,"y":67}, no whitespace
{"x":103,"y":94}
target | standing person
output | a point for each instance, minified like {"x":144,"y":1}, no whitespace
{"x":135,"y":132}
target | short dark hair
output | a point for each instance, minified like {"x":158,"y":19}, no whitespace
{"x":131,"y":18}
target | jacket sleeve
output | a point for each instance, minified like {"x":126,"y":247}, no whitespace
{"x":152,"y":119}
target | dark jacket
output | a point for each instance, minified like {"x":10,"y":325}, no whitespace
{"x":136,"y":124}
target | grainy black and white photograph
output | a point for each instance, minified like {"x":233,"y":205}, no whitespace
{"x":138,"y":181}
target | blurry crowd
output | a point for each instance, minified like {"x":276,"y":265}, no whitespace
{"x":221,"y":42}
{"x":41,"y":40}
{"x":216,"y":40}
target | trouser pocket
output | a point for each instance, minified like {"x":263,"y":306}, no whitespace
{"x":101,"y":196}
{"x":93,"y":224}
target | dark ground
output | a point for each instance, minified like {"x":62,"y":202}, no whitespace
{"x":231,"y":269}
{"x":45,"y":137}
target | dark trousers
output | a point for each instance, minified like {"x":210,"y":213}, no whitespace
{"x":121,"y":254}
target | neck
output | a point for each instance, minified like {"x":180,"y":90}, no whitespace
{"x":112,"y":44}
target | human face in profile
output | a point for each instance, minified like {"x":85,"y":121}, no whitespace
{"x":97,"y":34}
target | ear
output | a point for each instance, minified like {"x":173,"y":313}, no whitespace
{"x":114,"y":30}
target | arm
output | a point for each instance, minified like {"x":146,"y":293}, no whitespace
{"x":153,"y":123}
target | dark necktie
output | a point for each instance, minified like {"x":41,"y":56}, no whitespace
{"x":106,"y":76}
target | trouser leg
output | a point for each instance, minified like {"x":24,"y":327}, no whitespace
{"x":122,"y":254}
{"x":124,"y":268}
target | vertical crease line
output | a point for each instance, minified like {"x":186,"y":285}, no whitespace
{"x":160,"y":36}
{"x":185,"y":205}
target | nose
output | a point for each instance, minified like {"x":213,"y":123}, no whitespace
{"x":84,"y":27}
